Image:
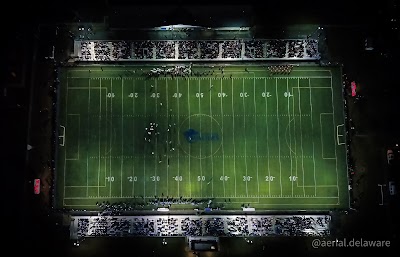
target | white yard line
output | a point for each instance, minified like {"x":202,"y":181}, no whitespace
{"x":201,"y":171}
{"x":266,"y":125}
{"x":290,"y":136}
{"x":144,"y":152}
{"x":122,"y":131}
{"x":190,"y":188}
{"x":98,"y":173}
{"x":313,"y":144}
{"x":222,"y":144}
{"x":111,"y":129}
{"x":233,"y":141}
{"x":166,"y":93}
{"x":88,"y":142}
{"x":279,"y":141}
{"x":133,"y":138}
{"x":245,"y":142}
{"x":255,"y":128}
{"x":301,"y":139}
{"x":211,"y":156}
{"x":156,"y":141}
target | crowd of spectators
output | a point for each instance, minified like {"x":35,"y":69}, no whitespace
{"x":197,"y":50}
{"x":280,"y":69}
{"x":194,"y":225}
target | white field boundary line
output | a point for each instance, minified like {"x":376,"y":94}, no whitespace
{"x":65,"y":149}
{"x":233,"y":197}
{"x":254,"y":203}
{"x":208,"y":77}
{"x":230,"y":70}
{"x":313,"y":143}
{"x":336,"y":165}
{"x":264,"y":78}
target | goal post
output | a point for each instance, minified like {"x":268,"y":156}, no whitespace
{"x":61,"y":137}
{"x":339,"y":136}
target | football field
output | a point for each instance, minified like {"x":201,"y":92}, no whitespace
{"x":237,"y":135}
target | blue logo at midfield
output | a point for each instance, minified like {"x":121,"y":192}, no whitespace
{"x":193,"y":136}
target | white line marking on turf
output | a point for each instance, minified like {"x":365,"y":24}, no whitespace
{"x":169,"y":122}
{"x":65,"y":149}
{"x":301,"y":139}
{"x":245,"y":141}
{"x":279,"y":141}
{"x":233,"y":141}
{"x":313,"y":144}
{"x":122,"y":131}
{"x":255,"y":129}
{"x":266,"y":125}
{"x":222,"y":142}
{"x":98,"y":173}
{"x":333,"y":119}
{"x":212,"y":163}
{"x":88,"y":142}
{"x":111,"y":134}
{"x":155,"y":150}
{"x":201,"y":171}
{"x":290,"y":135}
{"x":133,"y":138}
{"x":190,"y":187}
{"x":144,"y":152}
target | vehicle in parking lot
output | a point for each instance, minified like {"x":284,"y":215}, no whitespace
{"x":392,"y":188}
{"x":389,"y":156}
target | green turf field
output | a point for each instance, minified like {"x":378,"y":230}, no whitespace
{"x":241,"y":136}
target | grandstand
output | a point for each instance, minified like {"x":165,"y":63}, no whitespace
{"x":200,"y":126}
{"x":199,"y":50}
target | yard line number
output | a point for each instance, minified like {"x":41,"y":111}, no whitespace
{"x":132,"y":178}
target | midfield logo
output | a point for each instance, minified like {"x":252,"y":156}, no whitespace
{"x":192,"y":136}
